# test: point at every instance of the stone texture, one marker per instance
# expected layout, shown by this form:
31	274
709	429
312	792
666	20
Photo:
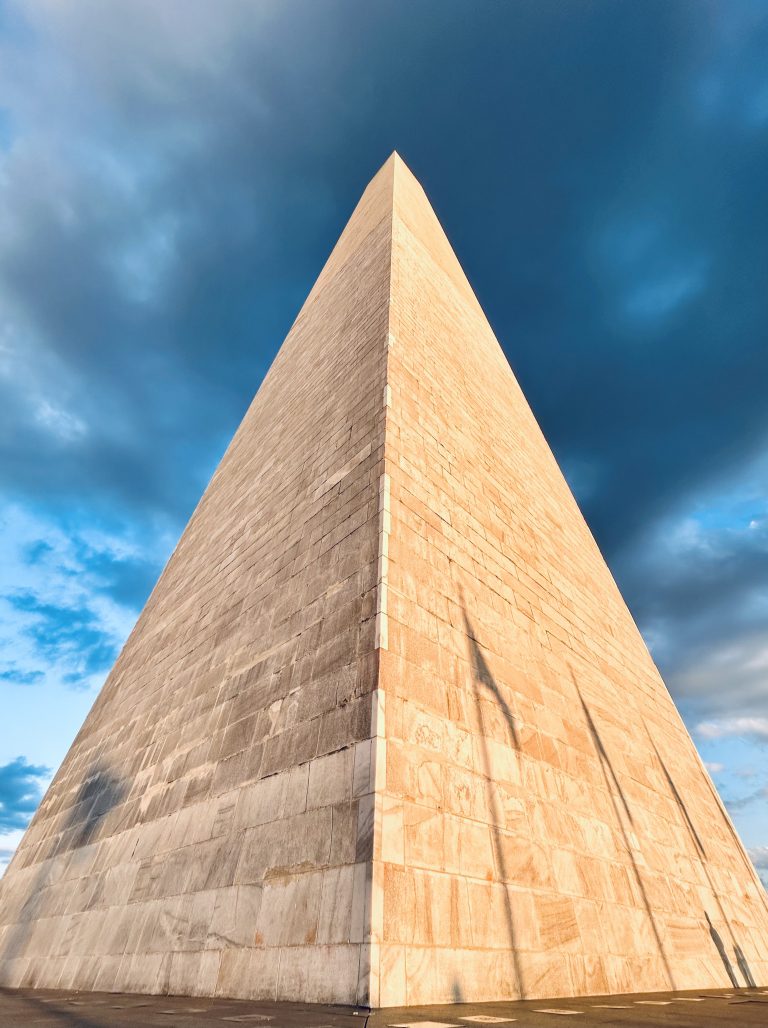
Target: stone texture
544	824
385	731
202	833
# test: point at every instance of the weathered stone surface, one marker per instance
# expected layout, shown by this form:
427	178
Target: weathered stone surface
385	731
544	824
201	835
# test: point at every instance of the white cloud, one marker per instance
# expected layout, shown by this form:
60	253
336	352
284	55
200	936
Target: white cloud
752	727
714	767
60	422
9	841
728	674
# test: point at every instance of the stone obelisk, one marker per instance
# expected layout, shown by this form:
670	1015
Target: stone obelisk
385	732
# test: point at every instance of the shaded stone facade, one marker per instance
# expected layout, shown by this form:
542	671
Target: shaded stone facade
385	731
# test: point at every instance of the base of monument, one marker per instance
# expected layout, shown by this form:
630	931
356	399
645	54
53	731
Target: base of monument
710	1008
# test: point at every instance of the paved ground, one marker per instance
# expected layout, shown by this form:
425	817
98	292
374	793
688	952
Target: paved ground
711	1009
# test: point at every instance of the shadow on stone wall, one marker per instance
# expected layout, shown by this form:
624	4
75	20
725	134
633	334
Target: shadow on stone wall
761	891
720	947
99	793
609	776
679	801
741	960
484	682
702	855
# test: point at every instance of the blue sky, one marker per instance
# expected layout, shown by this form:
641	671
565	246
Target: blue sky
172	177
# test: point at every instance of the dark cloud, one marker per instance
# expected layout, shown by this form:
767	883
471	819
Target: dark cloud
21	787
175	176
700	591
127	581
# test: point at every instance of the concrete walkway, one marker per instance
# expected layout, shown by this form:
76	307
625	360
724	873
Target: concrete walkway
739	1009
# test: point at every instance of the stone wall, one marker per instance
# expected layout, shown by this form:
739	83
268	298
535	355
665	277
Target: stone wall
546	826
209	830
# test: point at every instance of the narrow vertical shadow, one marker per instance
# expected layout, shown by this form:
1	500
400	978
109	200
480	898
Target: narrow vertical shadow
741	960
679	801
701	853
715	936
605	760
761	891
482	679
609	776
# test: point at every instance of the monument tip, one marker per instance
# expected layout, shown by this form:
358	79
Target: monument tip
395	161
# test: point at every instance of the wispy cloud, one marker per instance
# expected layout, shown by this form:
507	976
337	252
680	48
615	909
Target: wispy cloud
735	803
662	295
755	727
14	675
699	580
60	422
68	637
731	87
9	841
68	598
